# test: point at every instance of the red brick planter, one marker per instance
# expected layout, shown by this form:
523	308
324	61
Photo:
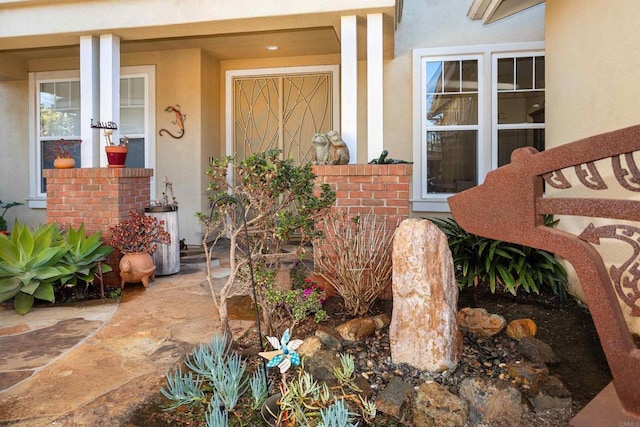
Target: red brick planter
97	197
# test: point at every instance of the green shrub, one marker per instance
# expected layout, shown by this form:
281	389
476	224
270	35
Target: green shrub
5	207
32	263
84	256
483	261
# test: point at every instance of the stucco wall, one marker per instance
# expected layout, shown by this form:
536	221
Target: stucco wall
178	81
592	87
14	140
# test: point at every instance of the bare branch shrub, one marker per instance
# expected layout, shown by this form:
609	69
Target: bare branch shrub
275	199
355	258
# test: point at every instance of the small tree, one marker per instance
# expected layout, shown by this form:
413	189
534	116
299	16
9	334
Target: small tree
274	198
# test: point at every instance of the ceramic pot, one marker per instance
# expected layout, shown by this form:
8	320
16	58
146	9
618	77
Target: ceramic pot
116	155
64	163
271	410
137	267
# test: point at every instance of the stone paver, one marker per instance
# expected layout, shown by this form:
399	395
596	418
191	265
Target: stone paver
120	355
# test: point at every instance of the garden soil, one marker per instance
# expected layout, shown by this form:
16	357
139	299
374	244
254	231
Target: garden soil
564	324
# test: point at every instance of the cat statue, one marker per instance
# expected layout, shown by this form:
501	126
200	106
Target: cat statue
330	149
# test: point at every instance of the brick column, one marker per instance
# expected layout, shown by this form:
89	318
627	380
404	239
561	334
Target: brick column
97	197
364	188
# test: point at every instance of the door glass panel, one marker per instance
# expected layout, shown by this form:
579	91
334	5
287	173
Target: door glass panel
539	72
452	76
452	109
505	74
58	117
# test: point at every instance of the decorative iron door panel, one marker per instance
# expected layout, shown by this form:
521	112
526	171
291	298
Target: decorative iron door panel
281	112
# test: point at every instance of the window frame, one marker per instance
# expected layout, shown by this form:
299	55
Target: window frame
487	111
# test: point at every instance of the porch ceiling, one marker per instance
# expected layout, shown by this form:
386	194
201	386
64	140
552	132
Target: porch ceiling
302	42
295	35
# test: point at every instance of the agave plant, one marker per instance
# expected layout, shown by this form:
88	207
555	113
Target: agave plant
30	264
84	255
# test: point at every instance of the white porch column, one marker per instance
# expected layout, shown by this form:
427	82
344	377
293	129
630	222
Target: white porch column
109	87
374	86
90	100
349	83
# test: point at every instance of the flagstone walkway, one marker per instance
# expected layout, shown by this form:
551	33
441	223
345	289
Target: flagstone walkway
93	363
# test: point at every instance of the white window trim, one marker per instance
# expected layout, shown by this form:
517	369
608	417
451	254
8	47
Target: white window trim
231	74
37	200
438	203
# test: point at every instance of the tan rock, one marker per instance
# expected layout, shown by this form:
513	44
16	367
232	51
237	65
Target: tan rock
381	320
520	328
356	329
435	405
310	347
423	331
480	322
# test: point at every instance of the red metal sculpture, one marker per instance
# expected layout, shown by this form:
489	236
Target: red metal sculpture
510	206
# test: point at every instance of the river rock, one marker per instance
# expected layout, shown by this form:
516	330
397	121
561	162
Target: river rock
480	322
356	329
436	406
552	394
423	332
391	400
520	328
537	351
528	374
330	339
492	403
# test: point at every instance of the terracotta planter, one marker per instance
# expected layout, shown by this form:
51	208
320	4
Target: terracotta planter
116	155
271	409
64	163
137	267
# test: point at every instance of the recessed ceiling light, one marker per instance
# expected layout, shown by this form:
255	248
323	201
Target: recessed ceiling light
271	47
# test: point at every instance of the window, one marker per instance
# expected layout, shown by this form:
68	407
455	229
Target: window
519	98
451	137
474	106
132	119
56	114
57	108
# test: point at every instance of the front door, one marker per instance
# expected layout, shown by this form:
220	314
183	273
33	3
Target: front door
282	109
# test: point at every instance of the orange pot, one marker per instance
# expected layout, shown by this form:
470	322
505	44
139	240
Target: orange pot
137	267
64	163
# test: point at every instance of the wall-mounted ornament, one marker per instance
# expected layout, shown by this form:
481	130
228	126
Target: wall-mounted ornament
179	121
